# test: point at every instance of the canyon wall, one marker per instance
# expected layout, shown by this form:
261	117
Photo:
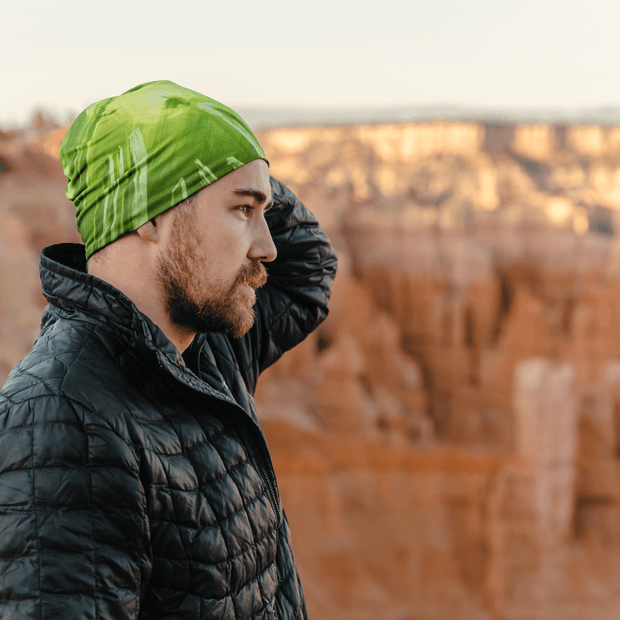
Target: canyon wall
447	443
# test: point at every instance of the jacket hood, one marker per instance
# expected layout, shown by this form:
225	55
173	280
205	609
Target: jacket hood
74	293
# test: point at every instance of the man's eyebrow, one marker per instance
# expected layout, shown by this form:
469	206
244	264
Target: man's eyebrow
253	193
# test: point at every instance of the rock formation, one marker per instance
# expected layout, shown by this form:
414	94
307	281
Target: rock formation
448	442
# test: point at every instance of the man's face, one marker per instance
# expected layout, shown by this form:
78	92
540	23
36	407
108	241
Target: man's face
211	265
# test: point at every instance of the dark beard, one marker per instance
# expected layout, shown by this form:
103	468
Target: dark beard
220	313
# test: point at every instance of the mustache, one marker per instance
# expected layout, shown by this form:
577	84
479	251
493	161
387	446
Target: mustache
254	275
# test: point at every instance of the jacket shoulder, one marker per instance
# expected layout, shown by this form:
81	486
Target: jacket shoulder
46	366
47	406
72	364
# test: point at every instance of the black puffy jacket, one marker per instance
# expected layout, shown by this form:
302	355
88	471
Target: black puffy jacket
136	482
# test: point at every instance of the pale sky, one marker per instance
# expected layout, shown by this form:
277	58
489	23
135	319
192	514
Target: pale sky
324	53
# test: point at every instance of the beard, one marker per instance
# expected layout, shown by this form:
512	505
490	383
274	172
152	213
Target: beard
205	308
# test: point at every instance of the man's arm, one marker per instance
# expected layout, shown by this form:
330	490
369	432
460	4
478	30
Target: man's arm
73	534
294	301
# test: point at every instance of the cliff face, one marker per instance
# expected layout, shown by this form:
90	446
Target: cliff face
33	213
447	442
488	255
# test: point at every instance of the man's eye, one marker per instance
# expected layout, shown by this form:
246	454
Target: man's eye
245	209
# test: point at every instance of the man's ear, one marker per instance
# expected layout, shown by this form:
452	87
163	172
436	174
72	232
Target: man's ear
149	231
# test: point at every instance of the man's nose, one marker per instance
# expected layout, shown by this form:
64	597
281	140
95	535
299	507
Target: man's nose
263	248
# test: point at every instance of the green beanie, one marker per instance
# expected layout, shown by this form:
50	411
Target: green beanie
132	157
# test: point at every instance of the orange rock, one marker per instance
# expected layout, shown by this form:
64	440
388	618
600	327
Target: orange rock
447	442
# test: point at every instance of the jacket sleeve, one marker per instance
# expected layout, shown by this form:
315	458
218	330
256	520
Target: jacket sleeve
73	533
294	301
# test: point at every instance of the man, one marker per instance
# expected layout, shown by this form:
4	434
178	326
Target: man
135	481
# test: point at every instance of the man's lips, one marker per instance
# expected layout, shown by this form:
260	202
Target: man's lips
253	275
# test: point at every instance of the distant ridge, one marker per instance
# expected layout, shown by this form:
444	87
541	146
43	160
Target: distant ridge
271	117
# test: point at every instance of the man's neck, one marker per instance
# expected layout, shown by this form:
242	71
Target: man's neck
148	300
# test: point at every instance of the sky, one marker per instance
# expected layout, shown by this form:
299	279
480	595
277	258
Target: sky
325	53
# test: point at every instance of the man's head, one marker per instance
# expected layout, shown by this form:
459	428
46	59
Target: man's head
131	157
173	186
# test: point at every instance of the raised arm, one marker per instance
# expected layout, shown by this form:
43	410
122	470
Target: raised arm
294	301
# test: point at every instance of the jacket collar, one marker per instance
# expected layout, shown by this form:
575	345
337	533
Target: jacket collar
73	292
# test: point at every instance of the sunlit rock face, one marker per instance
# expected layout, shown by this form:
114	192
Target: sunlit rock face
447	443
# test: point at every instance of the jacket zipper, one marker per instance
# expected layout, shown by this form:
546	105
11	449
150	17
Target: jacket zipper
247	432
259	459
264	470
272	492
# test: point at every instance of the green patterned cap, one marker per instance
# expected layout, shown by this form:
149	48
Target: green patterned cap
132	157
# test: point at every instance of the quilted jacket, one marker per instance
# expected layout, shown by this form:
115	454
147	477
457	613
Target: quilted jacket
135	482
